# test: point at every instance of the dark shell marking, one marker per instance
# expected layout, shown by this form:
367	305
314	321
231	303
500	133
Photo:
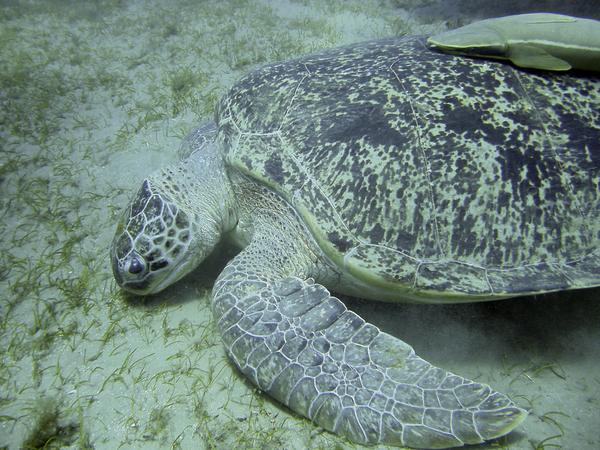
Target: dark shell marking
429	172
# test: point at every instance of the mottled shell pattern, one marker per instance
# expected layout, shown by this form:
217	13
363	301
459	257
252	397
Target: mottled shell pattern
441	175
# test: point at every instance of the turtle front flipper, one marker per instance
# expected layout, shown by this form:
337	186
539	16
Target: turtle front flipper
302	346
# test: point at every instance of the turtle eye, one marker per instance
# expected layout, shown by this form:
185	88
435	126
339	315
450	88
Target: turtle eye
136	265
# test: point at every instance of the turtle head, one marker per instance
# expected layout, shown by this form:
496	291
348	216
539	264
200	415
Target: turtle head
172	224
151	246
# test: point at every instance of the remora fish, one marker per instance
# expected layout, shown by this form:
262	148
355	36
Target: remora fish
538	41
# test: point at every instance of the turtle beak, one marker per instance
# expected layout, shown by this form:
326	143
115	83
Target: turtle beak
131	273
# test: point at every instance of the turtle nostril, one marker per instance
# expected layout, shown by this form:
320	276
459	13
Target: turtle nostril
136	265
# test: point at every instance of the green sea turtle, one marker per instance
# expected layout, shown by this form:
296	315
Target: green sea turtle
387	171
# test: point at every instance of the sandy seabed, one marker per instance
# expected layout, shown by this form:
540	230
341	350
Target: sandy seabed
95	95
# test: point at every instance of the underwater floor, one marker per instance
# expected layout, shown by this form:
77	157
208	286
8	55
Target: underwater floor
95	95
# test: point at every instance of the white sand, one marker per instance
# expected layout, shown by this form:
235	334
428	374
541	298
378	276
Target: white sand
94	96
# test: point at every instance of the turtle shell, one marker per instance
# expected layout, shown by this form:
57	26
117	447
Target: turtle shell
432	175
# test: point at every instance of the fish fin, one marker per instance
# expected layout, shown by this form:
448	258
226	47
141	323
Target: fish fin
533	57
